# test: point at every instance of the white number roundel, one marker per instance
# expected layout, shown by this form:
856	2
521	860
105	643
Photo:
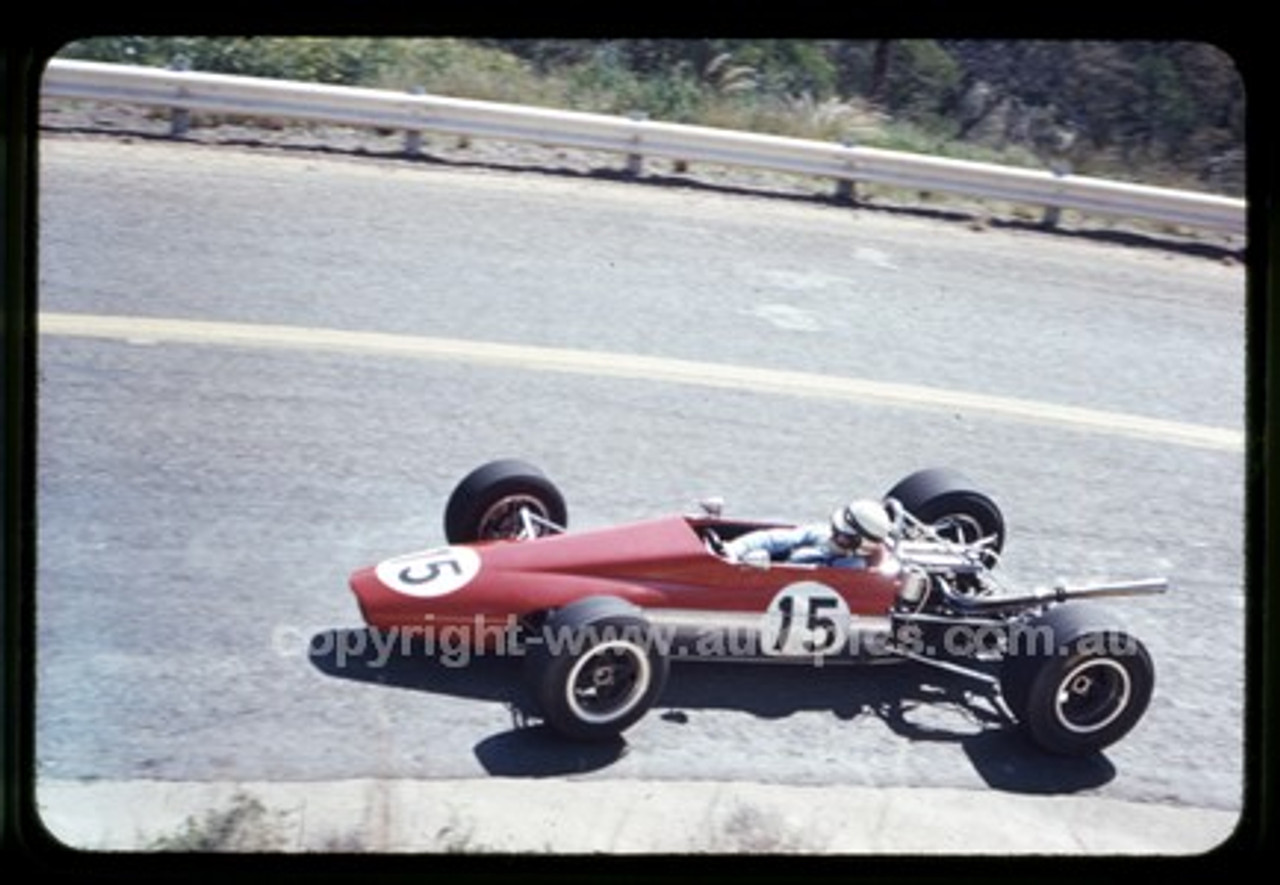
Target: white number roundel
428	573
806	618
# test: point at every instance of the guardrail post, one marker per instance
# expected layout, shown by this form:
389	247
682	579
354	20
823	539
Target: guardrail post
179	117
635	161
1053	214
413	137
847	188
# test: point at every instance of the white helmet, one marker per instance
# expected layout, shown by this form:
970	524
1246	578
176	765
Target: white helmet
862	520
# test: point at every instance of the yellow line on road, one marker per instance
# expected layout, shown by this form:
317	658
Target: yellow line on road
633	366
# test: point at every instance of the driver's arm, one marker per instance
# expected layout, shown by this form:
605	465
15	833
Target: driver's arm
778	543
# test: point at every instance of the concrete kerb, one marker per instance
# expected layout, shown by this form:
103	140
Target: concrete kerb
512	815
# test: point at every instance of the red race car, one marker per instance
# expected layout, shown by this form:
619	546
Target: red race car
598	615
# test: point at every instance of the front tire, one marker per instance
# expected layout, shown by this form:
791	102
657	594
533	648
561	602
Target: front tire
486	505
603	673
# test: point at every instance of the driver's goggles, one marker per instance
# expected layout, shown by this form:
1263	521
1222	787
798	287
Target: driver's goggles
846	540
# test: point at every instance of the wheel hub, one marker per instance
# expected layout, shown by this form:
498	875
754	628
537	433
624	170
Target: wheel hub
1092	696
608	682
503	519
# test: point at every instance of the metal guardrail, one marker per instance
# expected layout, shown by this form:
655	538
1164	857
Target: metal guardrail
187	91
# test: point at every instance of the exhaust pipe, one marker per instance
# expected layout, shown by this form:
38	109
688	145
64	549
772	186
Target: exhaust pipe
1061	593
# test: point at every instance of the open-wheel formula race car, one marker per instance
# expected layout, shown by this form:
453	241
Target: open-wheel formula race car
599	614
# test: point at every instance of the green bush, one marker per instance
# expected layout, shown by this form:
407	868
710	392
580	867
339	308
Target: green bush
315	59
458	68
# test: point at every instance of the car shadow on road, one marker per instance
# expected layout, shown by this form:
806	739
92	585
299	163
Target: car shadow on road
918	703
403	661
529	749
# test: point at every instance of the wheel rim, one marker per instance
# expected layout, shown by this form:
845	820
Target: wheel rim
1092	695
608	682
959	527
503	520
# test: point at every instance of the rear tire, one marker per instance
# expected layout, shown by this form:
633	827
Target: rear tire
486	505
1083	687
948	502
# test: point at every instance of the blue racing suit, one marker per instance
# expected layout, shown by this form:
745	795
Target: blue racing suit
801	545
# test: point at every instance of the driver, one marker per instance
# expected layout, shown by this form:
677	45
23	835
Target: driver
852	537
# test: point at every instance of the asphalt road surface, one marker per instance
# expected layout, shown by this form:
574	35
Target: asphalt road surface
203	497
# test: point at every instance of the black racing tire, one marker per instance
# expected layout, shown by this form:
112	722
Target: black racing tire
596	671
1075	681
949	502
485	505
